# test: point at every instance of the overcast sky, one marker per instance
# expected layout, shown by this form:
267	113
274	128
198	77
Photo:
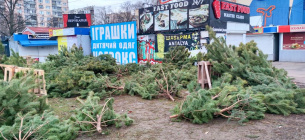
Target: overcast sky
74	4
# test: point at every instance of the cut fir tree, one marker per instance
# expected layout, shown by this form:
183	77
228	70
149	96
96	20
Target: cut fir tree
93	117
248	87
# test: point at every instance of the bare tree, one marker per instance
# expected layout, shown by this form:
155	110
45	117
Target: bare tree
10	20
51	22
102	15
126	13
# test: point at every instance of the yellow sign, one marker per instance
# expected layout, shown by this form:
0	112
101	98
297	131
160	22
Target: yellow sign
62	42
64	32
59	32
160	41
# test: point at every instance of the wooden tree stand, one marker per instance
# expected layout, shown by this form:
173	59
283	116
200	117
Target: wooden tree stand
11	70
204	74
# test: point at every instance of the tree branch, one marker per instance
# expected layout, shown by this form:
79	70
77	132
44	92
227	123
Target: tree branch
20	128
3	136
167	92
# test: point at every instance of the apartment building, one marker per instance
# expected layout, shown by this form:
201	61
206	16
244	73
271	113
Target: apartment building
42	13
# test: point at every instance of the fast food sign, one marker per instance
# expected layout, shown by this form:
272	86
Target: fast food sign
236	11
191	14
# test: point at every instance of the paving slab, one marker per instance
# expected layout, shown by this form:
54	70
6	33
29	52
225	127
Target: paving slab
295	70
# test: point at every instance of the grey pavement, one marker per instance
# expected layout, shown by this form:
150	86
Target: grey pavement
295	70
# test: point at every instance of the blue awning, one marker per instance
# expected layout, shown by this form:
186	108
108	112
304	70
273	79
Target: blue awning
34	43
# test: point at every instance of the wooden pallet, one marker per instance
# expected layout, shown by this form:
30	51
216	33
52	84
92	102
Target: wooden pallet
204	74
11	70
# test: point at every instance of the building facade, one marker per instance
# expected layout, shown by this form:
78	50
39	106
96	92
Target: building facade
42	13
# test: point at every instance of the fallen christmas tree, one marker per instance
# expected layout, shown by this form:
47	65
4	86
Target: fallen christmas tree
166	79
25	116
248	87
92	117
71	74
153	83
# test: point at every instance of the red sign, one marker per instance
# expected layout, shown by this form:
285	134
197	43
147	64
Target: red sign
291	28
284	29
234	7
226	6
294	41
216	7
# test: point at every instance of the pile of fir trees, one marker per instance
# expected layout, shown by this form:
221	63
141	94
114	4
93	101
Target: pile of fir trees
245	86
167	79
24	115
70	74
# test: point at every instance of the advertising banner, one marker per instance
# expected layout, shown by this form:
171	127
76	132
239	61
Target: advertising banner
62	42
118	40
178	15
77	20
199	13
190	40
294	41
161	17
224	11
146	49
67	41
192	14
146	20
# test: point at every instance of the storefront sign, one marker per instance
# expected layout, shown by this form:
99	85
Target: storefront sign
234	7
77	20
297	28
64	32
227	11
38	36
118	40
294	41
165	41
291	28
